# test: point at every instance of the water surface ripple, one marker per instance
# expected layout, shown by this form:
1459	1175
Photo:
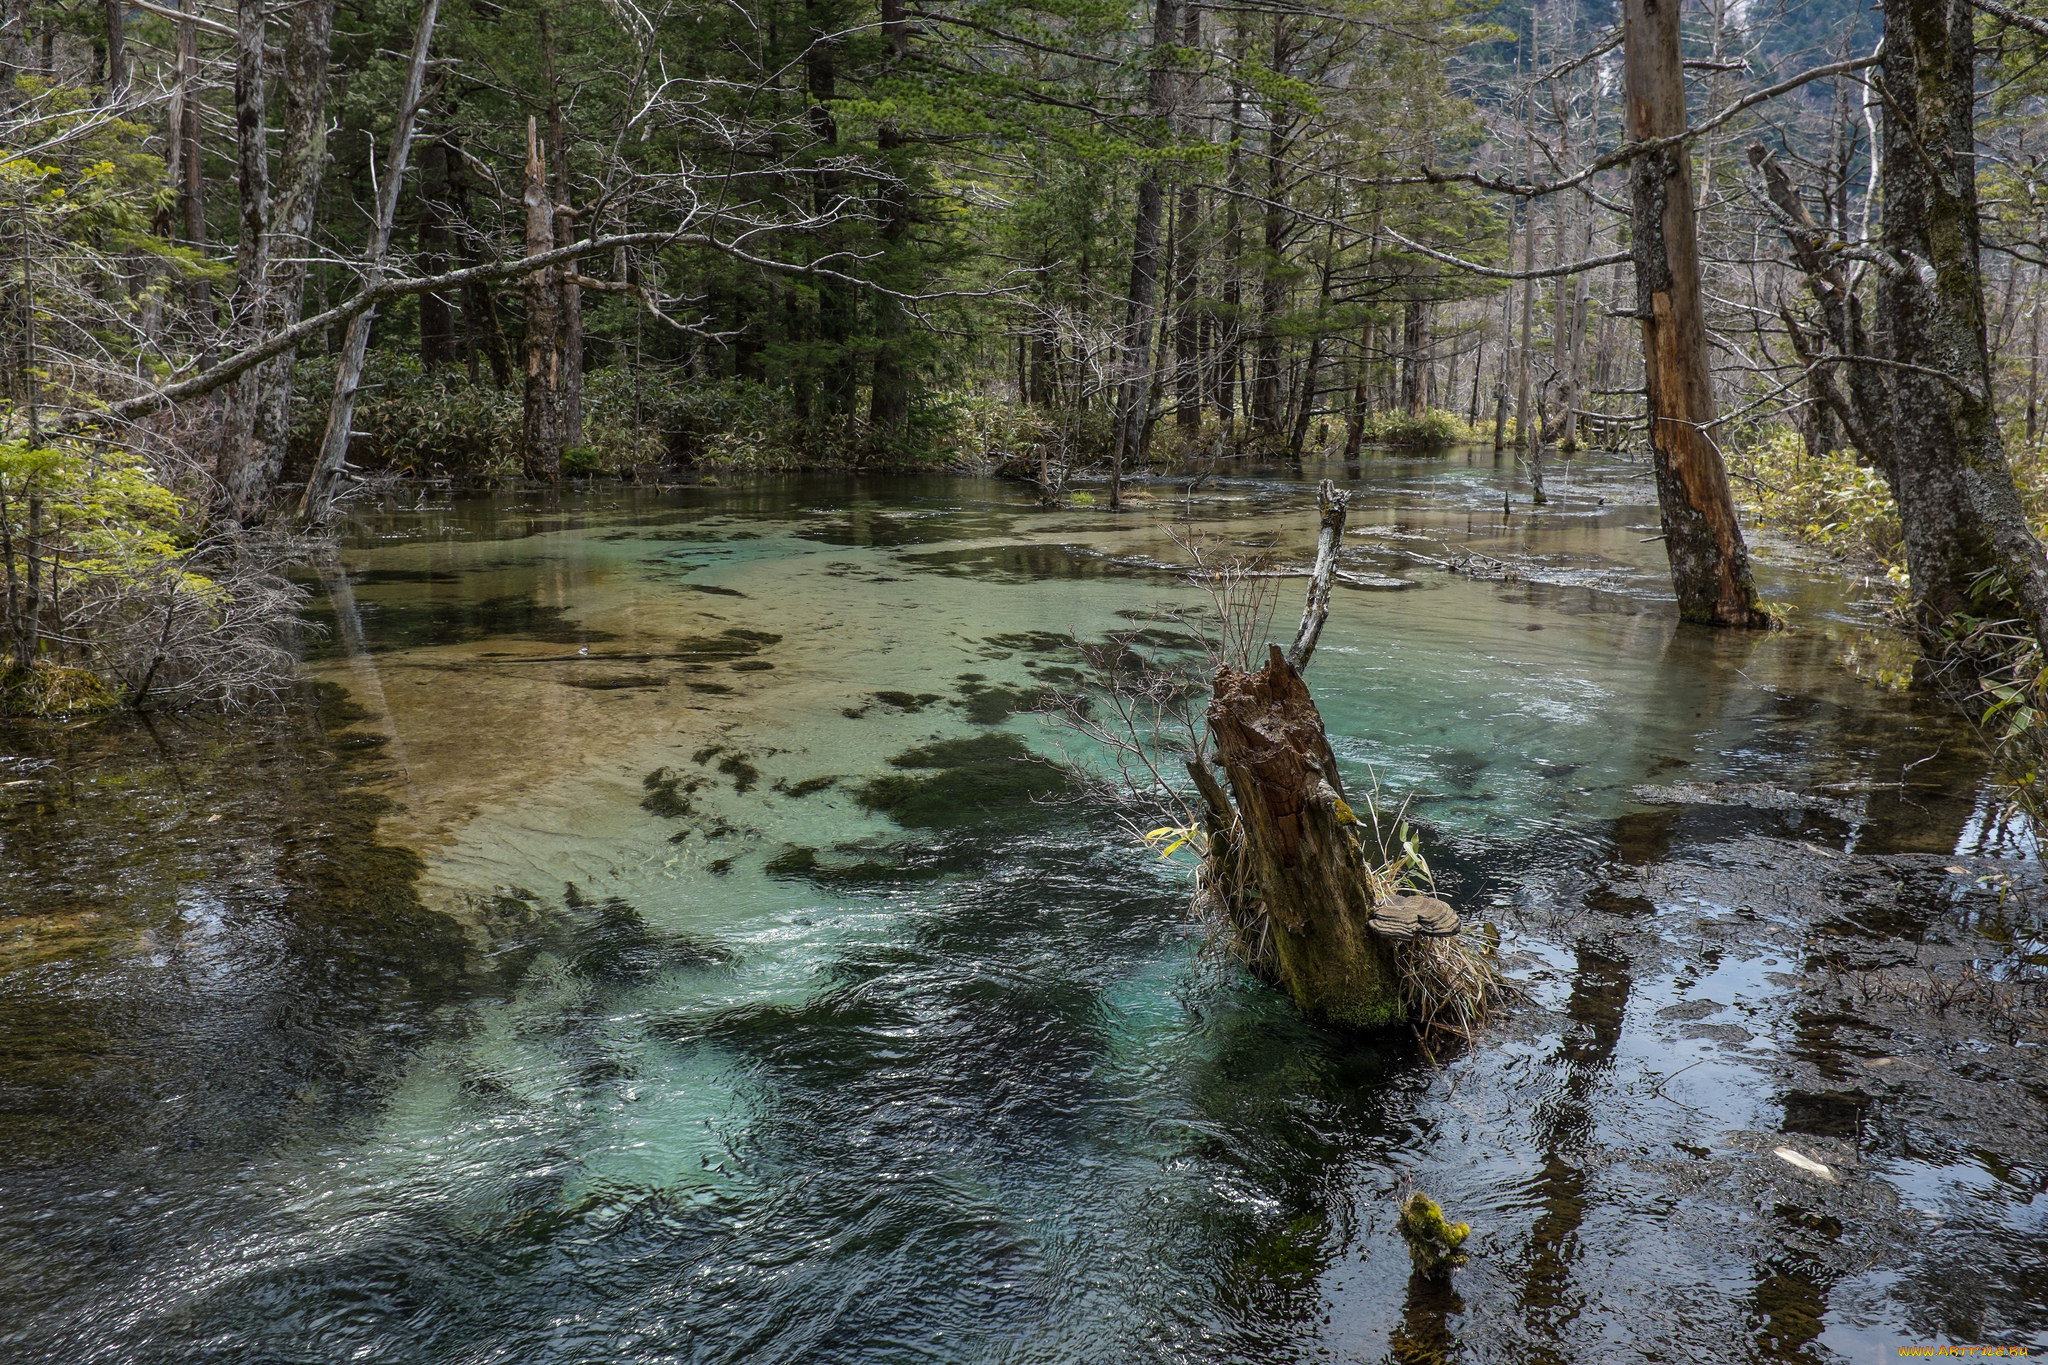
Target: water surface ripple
649	941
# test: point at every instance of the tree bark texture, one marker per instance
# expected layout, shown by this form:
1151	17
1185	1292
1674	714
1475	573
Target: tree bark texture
1285	863
1968	546
301	160
435	232
1302	873
238	468
191	166
542	425
570	297
1415	347
1134	383
1702	536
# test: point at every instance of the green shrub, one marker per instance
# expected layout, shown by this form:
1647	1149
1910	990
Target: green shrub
1833	503
1432	431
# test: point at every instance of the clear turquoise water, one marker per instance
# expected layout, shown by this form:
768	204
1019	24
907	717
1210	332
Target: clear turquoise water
456	1040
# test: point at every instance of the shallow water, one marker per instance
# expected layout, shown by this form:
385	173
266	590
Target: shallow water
581	980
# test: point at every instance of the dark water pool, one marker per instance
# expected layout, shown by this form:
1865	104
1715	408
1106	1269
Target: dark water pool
645	941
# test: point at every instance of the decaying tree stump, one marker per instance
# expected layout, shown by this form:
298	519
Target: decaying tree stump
1304	879
1286	867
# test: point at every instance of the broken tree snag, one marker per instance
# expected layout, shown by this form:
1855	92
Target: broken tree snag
1301	897
1329	542
1709	562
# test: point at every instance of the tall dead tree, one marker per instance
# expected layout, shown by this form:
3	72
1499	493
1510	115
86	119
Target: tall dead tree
355	347
568	295
1702	536
541	428
302	158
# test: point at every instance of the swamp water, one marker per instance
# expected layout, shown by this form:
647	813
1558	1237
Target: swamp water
649	944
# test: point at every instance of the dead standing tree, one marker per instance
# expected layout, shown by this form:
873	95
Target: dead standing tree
1709	561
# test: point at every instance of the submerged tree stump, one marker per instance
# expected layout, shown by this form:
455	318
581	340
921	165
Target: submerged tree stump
1291	873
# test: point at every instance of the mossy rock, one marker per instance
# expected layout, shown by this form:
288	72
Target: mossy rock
45	689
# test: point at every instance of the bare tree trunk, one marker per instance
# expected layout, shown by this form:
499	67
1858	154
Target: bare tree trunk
1228	351
542	429
1500	383
1709	561
436	216
889	396
1529	424
192	178
1415	343
480	321
1865	411
2034	380
301	160
238	464
1135	382
117	51
1265	404
1528	307
348	373
1968	546
565	232
1187	350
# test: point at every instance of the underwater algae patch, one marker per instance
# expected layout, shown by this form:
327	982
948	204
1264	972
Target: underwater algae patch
962	781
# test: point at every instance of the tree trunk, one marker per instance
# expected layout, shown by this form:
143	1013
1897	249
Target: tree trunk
1529	423
1968	546
301	160
1134	384
238	467
570	296
117	51
1865	410
837	308
1289	864
1187	348
436	216
348	374
482	326
1709	562
542	427
889	397
1415	341
192	177
1187	343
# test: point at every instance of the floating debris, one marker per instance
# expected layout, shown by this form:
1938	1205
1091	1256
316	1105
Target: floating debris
1804	1163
